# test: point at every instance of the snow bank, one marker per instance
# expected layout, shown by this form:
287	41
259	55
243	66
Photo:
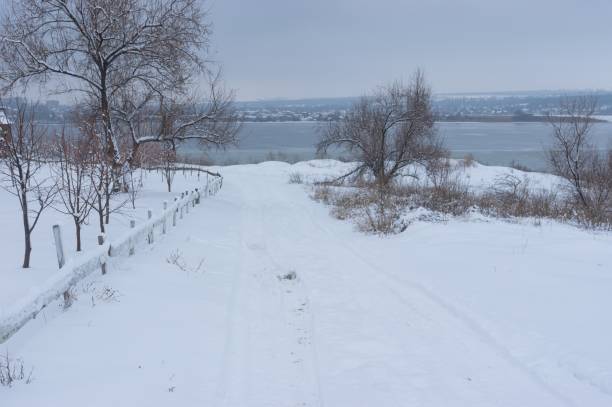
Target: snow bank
16	316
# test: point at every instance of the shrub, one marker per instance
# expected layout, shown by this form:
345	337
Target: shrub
377	209
296	178
12	371
321	193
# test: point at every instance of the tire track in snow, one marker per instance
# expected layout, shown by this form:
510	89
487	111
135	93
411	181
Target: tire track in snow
300	316
485	337
265	249
231	354
266	358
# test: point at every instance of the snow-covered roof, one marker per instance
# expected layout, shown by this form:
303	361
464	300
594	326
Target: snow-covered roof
3	118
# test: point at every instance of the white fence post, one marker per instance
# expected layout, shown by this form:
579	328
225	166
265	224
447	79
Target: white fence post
61	259
151	231
132	226
59	246
101	243
174	214
165	216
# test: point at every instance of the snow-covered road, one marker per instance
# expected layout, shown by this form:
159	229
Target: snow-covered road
357	326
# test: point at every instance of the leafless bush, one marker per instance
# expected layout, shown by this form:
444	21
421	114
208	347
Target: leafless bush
296	178
108	294
444	191
176	259
384	215
104	294
513	190
373	210
349	203
587	170
12	371
321	193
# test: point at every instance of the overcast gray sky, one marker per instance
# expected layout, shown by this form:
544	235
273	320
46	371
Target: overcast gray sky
319	48
310	48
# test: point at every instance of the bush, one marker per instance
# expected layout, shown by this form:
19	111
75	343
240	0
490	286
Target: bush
384	214
296	178
321	193
12	371
380	210
373	209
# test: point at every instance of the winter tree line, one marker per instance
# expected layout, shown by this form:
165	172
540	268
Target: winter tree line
143	82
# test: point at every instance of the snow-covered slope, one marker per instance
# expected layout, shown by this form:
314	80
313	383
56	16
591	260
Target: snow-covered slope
461	313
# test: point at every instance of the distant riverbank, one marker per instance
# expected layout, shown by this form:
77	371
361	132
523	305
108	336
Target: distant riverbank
493	143
463	119
506	119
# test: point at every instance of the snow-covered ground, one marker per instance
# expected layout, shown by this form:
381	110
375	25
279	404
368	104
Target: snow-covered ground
16	283
469	312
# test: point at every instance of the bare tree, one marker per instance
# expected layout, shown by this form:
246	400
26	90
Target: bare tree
77	192
123	56
388	131
24	174
574	158
100	172
168	163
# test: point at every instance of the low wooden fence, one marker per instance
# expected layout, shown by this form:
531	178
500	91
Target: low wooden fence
73	271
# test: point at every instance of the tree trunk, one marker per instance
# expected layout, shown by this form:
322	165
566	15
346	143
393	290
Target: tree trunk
26	232
107	196
77	226
28	247
100	210
107	209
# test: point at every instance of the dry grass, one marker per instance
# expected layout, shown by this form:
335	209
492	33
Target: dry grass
373	209
381	210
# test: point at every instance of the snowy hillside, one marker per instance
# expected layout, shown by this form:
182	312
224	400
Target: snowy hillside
261	298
